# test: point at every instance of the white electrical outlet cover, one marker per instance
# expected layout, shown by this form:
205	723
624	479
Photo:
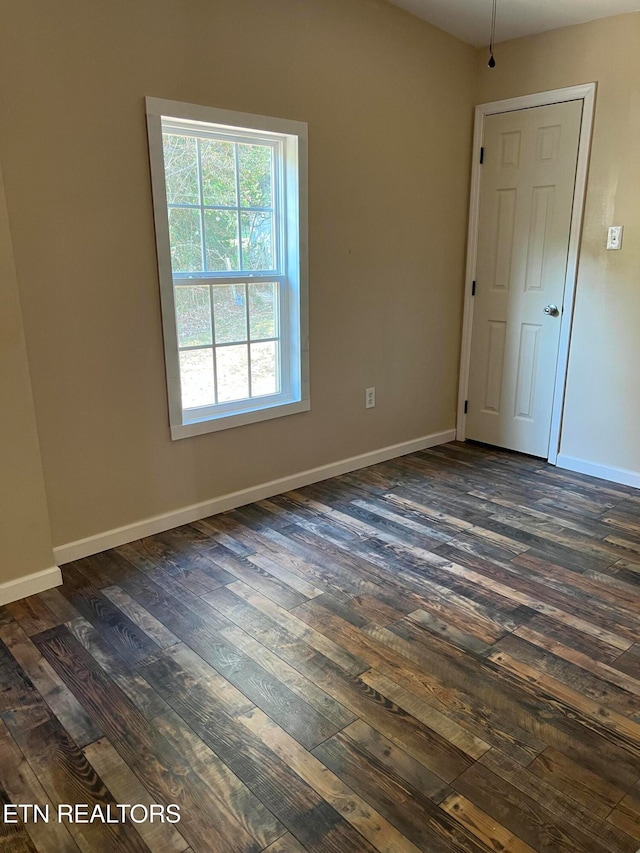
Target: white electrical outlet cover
614	237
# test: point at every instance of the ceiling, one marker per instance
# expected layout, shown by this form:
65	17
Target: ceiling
470	20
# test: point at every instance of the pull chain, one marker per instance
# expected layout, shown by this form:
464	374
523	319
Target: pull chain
492	62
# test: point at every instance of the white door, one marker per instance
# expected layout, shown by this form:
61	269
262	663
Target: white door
526	201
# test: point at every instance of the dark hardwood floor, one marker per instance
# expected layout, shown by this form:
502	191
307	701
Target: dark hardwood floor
439	653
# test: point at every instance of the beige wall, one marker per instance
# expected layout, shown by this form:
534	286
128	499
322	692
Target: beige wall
602	414
25	539
388	101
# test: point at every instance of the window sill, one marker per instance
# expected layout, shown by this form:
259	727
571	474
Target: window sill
221	422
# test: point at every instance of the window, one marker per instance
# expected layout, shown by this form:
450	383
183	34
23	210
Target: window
229	193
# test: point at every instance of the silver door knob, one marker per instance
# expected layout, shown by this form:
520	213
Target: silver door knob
552	310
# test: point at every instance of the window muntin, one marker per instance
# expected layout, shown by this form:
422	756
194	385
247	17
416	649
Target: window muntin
228	340
228	226
223	201
223	206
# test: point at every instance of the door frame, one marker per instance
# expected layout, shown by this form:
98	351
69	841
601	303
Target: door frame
587	94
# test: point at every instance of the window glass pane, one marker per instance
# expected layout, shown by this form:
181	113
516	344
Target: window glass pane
256	169
221	239
184	235
230	313
181	169
264	374
193	316
196	378
257	241
233	373
218	172
263	308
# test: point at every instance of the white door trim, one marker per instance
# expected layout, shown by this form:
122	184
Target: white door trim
587	94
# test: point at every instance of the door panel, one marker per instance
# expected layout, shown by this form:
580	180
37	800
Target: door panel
526	201
505	229
495	366
527	370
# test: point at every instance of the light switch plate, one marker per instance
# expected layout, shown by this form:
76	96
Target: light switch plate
614	237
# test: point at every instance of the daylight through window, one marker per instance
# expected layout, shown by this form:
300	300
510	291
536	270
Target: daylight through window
228	221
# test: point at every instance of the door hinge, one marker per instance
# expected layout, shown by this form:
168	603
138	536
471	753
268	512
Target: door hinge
466	406
473	288
482	155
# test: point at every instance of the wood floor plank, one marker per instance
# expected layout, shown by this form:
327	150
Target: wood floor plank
393	760
610	597
557	635
104	569
562	539
449	729
23	786
21	706
541	517
484	827
611	579
118	669
605	685
14	838
187	565
626	814
444	726
538	600
296	626
63	610
452	633
32	614
142	618
234	795
53	690
295	681
60	766
160	837
111	622
593	833
136	557
329	569
437	590
285	844
469	709
440	653
614	673
350	637
378	611
627	570
523	816
577	782
256	573
373	826
291	800
423	823
622	730
200	672
436	752
629	662
5	617
210	528
357	515
351	573
296	715
509	697
147	753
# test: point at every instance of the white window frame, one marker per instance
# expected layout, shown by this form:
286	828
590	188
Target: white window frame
289	137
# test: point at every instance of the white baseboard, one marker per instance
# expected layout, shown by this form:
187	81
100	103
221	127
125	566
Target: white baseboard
30	584
158	523
604	472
